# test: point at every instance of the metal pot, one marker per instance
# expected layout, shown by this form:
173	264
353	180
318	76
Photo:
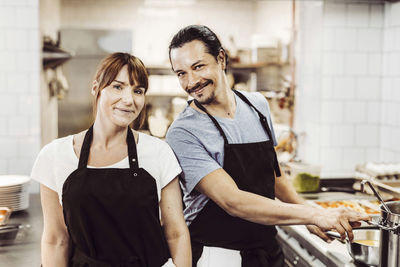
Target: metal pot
362	253
390	235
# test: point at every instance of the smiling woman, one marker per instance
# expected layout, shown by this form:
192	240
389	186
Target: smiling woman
125	73
102	189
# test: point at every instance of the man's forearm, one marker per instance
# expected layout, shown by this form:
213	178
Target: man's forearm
285	191
266	211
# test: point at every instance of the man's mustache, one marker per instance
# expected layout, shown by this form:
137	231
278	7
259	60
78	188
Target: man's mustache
199	86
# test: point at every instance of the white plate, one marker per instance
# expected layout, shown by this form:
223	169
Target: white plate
12	180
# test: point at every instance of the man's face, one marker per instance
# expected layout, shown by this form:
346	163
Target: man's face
199	73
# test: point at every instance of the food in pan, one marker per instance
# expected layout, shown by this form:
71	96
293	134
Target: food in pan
370	243
348	204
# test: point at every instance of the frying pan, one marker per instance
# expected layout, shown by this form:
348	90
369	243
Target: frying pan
362	253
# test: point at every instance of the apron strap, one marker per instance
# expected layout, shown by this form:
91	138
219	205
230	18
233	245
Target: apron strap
263	119
132	152
85	149
264	123
200	106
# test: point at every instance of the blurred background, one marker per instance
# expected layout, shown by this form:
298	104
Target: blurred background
330	70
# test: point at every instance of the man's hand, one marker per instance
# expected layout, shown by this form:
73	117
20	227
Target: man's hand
341	220
313	229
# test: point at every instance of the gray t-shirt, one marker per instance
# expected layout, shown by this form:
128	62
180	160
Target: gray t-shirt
199	146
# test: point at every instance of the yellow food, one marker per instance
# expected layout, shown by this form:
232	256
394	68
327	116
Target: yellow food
348	204
370	243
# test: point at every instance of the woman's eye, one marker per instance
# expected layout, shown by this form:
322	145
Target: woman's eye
139	91
117	86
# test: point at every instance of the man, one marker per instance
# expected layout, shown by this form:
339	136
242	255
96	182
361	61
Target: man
224	141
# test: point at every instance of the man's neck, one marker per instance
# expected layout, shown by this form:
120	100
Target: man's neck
224	104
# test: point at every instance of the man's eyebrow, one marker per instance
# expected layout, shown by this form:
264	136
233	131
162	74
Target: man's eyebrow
197	62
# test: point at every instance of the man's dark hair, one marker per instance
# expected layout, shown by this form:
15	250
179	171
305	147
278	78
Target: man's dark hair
201	33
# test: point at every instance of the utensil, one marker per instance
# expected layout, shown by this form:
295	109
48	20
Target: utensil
363	182
361	252
390	235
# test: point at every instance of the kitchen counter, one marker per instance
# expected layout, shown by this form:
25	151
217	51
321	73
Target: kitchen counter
304	249
307	249
25	250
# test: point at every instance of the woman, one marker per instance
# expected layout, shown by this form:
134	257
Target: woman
102	189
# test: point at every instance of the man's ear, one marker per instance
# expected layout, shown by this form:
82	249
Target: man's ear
95	86
222	58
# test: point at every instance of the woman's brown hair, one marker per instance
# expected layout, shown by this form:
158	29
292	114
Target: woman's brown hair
107	72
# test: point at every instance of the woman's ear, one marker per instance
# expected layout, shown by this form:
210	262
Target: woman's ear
95	86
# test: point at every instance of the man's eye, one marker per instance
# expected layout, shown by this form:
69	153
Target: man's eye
180	74
198	67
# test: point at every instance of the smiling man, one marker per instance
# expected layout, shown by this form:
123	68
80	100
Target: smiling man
224	141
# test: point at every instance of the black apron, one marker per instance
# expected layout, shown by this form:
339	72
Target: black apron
253	167
112	214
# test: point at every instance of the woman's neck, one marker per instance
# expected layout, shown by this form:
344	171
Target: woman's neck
106	136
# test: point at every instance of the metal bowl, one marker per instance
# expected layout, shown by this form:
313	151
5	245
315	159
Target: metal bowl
365	253
8	233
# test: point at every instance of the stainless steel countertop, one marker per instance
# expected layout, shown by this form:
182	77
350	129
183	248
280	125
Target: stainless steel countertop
329	254
25	251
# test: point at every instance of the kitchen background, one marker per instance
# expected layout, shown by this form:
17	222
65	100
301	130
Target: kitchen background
347	70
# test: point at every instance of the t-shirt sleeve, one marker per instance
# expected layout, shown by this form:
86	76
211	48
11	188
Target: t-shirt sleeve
264	105
43	168
170	167
194	159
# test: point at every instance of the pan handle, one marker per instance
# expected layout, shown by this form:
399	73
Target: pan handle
387	228
336	236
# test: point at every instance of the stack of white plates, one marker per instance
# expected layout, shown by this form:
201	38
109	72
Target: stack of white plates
14	192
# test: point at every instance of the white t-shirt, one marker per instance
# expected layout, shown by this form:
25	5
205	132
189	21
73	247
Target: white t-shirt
57	160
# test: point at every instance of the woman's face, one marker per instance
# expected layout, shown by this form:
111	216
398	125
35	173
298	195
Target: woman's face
121	102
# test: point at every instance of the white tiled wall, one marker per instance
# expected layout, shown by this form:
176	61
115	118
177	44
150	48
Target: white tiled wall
19	85
348	84
153	24
390	130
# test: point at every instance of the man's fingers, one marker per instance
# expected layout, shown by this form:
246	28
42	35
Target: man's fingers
339	228
347	227
318	232
355	224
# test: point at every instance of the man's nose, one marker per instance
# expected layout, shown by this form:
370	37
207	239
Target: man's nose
193	79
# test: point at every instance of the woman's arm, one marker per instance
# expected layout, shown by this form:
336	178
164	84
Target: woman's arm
175	229
55	238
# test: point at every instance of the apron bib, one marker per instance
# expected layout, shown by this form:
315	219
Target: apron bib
112	215
253	167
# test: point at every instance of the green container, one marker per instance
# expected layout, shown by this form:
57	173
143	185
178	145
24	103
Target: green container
304	182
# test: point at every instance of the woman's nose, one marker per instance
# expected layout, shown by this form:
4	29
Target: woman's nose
127	96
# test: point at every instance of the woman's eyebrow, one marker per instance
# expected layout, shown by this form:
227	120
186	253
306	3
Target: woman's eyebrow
119	82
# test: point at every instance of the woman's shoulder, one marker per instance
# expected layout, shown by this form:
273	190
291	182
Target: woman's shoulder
58	144
149	140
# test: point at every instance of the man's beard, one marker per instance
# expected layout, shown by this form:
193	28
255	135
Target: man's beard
208	100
